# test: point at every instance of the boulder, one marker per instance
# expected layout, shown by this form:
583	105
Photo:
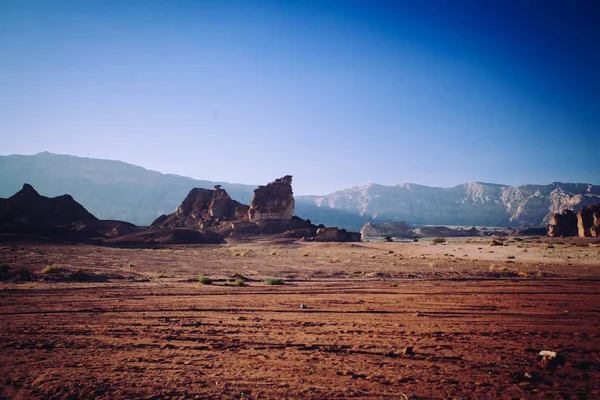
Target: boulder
275	201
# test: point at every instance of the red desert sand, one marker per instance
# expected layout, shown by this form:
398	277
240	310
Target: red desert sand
413	320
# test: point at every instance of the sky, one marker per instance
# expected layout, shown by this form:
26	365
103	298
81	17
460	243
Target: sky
335	93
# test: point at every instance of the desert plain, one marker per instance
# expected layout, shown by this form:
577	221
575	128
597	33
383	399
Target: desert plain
401	320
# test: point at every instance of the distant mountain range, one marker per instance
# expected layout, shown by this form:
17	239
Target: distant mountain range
116	190
470	204
108	189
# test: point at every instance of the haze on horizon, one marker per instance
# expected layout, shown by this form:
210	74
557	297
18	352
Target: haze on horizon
335	93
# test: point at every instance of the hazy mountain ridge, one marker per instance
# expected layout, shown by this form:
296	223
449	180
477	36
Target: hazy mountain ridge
108	189
119	191
473	203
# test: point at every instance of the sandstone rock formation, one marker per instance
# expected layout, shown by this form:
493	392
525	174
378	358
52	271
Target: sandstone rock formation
203	208
584	223
563	224
270	212
588	221
398	229
275	201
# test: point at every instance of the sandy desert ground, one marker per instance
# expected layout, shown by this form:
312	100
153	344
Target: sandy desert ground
408	320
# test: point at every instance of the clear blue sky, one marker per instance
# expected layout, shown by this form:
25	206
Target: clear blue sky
336	93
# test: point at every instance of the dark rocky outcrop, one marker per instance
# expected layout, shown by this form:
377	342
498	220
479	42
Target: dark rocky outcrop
202	209
585	223
204	216
563	224
275	201
443	231
28	207
398	229
401	229
58	218
334	234
270	212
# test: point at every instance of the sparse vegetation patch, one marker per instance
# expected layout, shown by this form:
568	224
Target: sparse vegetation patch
50	269
274	281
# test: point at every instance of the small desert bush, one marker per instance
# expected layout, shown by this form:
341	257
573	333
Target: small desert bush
539	274
510	257
205	280
496	242
240	282
4	268
24	273
304	254
335	260
390	251
439	240
388	239
274	281
50	269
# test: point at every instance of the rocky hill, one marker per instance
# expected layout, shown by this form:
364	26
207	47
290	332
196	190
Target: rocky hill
472	204
108	189
59	218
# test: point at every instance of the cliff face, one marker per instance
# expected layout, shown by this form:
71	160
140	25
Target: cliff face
585	223
275	201
473	204
588	221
